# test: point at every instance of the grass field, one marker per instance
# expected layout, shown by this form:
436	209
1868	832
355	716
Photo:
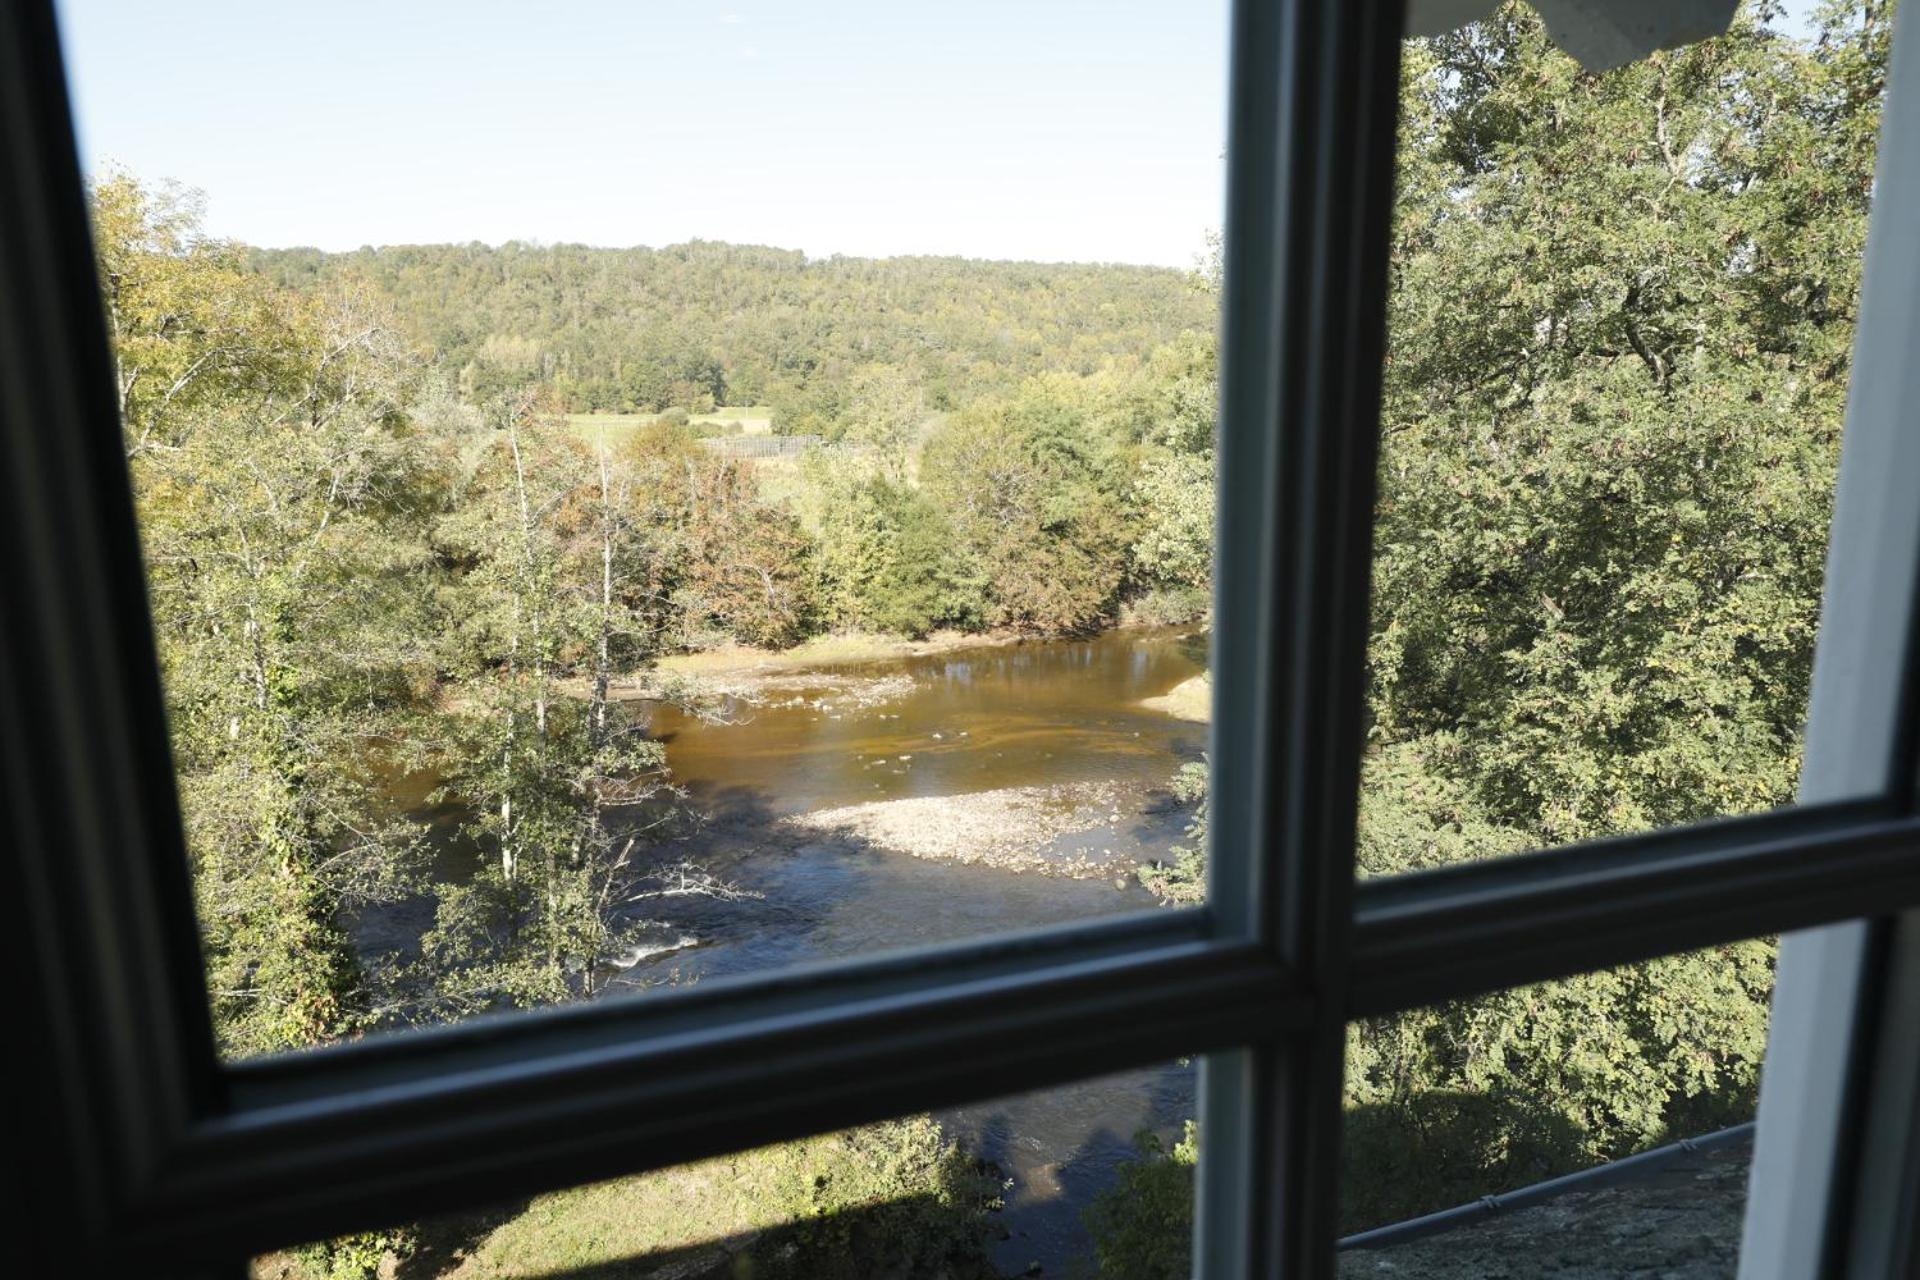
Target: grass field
890	1199
780	478
752	419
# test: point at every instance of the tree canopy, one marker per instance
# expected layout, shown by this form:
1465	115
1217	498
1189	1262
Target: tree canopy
1620	318
703	323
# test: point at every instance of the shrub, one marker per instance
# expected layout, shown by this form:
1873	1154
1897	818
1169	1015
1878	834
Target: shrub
1166	607
1142	1226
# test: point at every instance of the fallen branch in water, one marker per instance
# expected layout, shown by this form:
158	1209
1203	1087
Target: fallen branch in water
688	879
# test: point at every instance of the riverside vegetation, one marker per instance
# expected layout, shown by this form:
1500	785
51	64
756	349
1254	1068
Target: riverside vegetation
1621	317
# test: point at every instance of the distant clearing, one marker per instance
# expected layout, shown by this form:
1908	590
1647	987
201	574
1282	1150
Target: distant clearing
746	420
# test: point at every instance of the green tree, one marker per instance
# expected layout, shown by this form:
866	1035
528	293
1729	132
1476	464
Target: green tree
1621	312
885	556
191	328
1033	496
1173	492
1142	1226
885	414
282	499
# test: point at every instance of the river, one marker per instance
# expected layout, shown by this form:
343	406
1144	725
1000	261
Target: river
1057	713
1063	715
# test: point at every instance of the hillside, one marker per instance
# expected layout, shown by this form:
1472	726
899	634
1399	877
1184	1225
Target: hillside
707	323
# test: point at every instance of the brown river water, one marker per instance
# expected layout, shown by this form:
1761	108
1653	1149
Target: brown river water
1062	714
974	719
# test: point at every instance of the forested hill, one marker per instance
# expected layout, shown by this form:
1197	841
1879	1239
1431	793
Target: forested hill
637	329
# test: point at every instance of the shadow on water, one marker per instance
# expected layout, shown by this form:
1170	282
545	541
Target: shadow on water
833	895
1060	1148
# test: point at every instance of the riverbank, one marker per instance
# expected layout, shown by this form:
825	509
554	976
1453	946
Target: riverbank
811	674
838	649
826	673
1191	699
1017	829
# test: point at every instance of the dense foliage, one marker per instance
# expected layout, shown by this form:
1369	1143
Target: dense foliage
1144	1225
281	492
1621	314
705	323
1621	317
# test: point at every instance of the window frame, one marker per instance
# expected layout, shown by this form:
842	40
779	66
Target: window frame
1837	1149
140	1145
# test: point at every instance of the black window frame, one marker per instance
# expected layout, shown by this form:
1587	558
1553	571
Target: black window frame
135	1145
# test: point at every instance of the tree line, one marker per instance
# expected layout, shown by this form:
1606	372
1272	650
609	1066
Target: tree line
706	323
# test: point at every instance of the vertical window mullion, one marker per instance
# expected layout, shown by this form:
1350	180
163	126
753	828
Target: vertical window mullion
1838	1102
1310	164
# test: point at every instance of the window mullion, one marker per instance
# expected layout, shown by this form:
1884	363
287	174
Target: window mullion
1310	164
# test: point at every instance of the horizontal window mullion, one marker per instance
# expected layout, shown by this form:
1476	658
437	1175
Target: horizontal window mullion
552	1033
1508	922
333	1141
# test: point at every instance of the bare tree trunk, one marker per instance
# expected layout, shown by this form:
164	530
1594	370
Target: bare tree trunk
593	830
603	666
529	569
507	859
529	590
509	853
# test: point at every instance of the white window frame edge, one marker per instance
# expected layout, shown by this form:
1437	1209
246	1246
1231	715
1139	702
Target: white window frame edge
1837	1100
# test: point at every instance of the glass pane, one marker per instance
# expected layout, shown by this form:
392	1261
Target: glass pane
1620	321
544	616
1049	1183
1465	1120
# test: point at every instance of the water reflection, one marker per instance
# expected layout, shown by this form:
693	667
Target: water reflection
1024	715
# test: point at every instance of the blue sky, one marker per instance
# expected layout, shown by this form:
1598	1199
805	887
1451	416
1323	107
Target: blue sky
1052	129
1059	130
